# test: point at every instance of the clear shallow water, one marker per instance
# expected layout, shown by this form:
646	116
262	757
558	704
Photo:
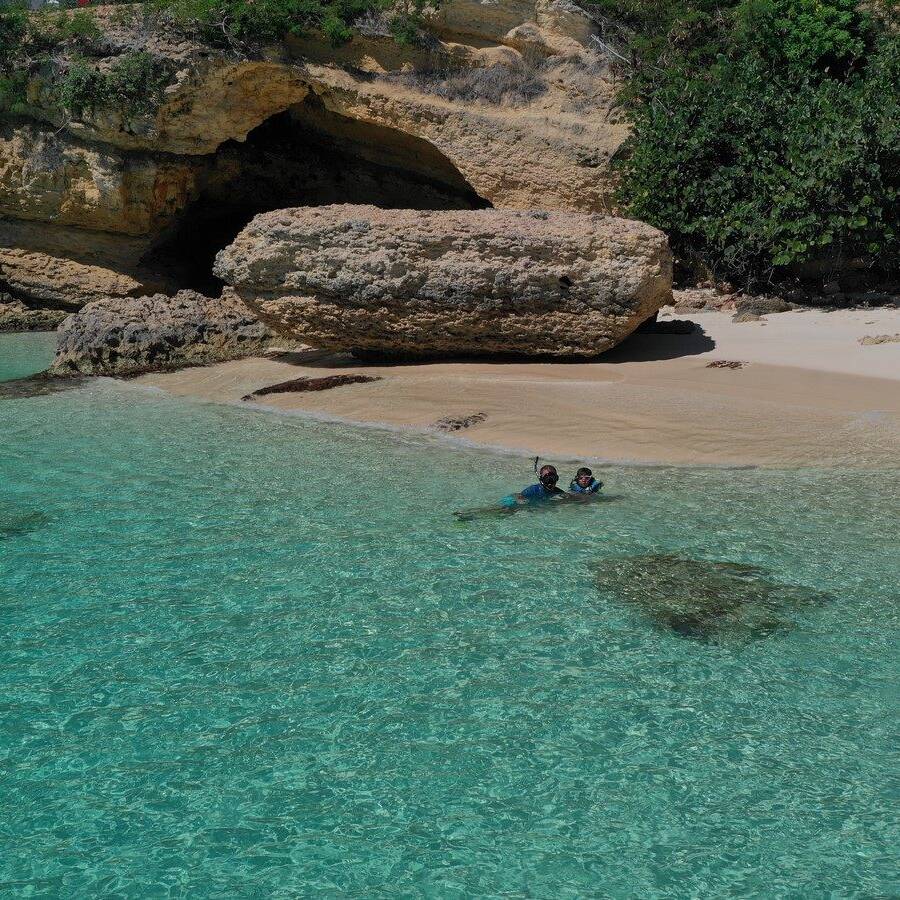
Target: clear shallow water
24	354
249	655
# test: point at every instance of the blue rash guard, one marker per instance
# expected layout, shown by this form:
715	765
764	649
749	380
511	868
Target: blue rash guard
592	488
539	492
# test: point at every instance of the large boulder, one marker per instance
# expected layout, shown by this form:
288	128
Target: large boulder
416	283
144	334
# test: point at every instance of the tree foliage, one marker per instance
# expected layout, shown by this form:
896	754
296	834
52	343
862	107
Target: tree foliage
772	137
133	85
243	23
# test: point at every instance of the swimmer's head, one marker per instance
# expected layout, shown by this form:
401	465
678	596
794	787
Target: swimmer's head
584	475
548	476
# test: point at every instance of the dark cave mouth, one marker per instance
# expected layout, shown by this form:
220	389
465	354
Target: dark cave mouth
305	156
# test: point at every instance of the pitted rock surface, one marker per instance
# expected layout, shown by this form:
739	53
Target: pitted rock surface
18	316
145	334
431	283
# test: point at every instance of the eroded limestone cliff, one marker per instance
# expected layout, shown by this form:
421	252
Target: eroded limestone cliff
506	107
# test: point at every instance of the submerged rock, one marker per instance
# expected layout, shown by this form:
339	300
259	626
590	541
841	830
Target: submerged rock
39	385
145	334
431	283
703	599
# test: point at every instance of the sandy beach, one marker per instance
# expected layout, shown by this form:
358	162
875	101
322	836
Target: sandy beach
808	394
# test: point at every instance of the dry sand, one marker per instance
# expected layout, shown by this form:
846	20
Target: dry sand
809	394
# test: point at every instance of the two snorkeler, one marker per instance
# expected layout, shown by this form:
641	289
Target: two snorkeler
582	486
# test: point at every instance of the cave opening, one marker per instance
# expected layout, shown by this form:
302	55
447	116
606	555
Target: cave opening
304	156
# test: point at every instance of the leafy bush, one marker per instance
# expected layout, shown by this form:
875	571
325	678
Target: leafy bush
238	23
58	42
13	93
13	28
81	89
133	85
775	139
79	26
13	79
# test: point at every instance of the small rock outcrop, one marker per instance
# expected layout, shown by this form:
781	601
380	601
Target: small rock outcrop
17	316
759	306
414	283
872	339
145	334
449	424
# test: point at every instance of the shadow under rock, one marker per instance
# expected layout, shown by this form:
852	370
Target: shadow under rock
647	346
639	347
371	359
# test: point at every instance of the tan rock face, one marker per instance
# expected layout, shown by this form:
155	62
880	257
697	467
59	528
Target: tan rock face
424	283
213	97
69	267
17	316
48	176
59	280
516	158
494	20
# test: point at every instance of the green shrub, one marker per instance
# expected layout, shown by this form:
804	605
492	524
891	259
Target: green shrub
806	36
240	23
79	25
13	80
81	89
406	30
13	96
13	28
133	85
778	145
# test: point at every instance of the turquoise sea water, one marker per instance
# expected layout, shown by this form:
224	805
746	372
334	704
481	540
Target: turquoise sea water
246	655
22	354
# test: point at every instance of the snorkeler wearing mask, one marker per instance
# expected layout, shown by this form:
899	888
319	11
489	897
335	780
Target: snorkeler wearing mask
545	489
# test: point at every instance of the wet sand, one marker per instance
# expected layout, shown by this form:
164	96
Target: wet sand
809	394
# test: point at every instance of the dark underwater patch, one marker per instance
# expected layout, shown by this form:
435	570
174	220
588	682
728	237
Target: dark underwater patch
706	600
14	523
39	385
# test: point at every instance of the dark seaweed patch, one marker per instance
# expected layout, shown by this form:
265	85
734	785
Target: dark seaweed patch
705	600
14	524
39	385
